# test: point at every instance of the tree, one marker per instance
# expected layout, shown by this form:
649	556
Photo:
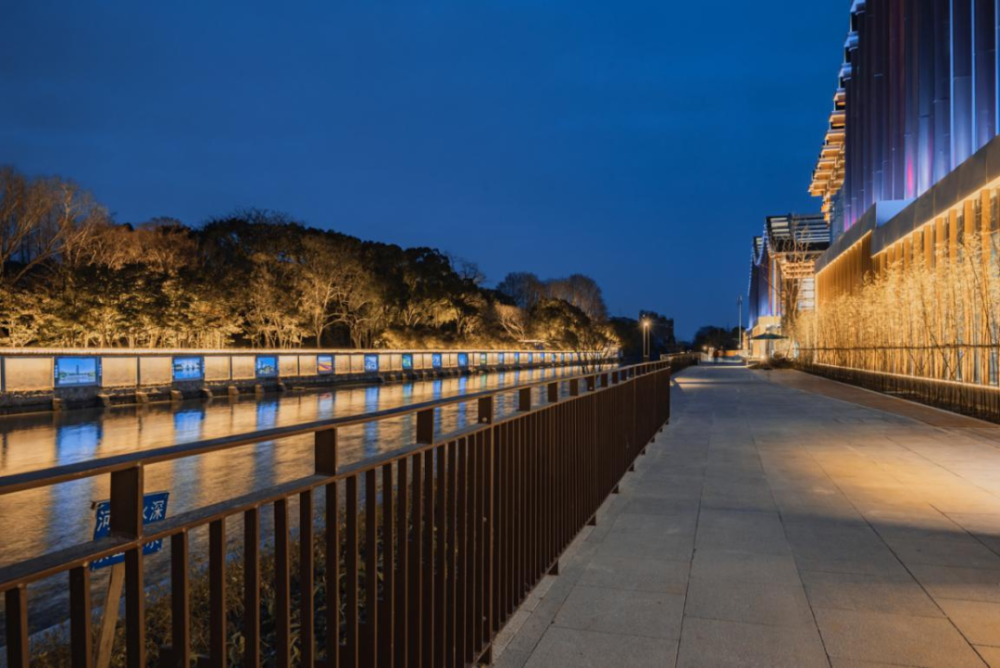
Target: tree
72	276
524	288
580	291
468	271
39	219
512	320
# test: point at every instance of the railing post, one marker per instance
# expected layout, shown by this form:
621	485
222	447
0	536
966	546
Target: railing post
217	593
485	406
180	632
325	449
126	502
524	399
591	383
574	387
126	522
425	427
16	610
81	635
553	393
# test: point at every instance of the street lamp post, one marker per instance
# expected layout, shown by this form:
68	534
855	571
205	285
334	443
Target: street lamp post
645	339
739	305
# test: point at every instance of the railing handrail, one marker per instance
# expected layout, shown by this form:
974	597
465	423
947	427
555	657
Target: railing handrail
19	482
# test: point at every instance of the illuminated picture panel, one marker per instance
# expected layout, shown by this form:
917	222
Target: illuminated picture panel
324	365
517	358
188	368
500	357
436	360
371	363
407	361
483	359
266	366
531	358
77	371
463	360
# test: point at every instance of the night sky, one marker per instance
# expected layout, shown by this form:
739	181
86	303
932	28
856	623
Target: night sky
641	143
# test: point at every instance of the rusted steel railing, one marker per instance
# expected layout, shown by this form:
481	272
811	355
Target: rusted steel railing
432	547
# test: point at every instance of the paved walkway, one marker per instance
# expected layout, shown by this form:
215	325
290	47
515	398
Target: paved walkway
772	524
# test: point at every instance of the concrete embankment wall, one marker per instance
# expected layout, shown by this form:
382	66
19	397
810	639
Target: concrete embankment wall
33	379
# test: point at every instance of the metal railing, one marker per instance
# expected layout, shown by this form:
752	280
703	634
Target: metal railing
432	547
976	400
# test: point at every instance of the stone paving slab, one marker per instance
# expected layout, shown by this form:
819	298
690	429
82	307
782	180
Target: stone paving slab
783	520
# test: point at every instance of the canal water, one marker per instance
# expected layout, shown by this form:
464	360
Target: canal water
41	521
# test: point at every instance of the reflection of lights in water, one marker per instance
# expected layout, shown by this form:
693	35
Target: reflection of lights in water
371	443
461	416
267	414
484	381
436	388
501	378
407	390
325	405
188	424
463	383
78	440
371	398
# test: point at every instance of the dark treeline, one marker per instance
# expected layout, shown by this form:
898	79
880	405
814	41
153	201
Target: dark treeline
70	276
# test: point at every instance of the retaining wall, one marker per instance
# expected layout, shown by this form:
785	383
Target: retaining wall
33	379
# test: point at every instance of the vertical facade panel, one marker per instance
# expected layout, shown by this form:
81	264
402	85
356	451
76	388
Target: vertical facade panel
963	116
941	20
985	80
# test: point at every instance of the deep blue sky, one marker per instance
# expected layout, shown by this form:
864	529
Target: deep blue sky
639	142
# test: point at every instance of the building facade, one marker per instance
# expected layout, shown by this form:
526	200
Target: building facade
909	174
917	97
782	273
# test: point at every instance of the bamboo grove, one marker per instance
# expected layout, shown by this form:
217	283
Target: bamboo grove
934	315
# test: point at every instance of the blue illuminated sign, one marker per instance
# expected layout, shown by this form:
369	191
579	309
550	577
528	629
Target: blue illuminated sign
463	360
189	368
267	366
154	509
407	361
500	357
436	360
483	359
77	371
371	363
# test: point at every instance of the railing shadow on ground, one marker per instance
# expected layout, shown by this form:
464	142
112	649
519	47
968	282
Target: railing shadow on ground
432	546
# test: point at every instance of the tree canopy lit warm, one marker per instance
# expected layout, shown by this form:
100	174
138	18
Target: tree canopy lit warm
70	276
